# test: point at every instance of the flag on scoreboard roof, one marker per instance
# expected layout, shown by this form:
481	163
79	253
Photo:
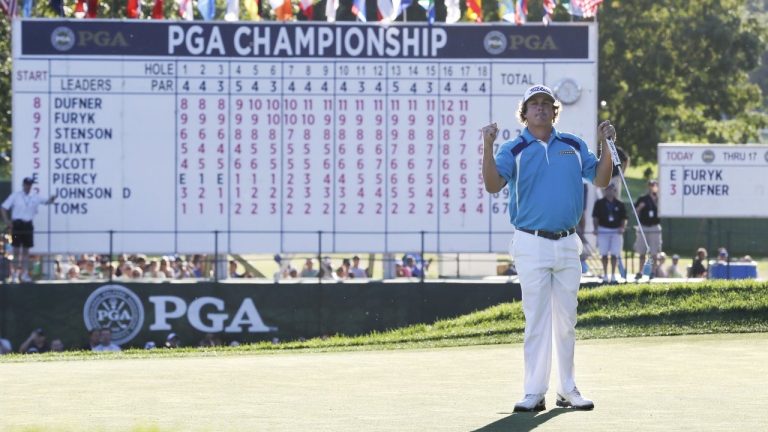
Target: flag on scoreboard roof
330	10
453	11
521	11
9	7
157	10
185	10
57	6
515	13
26	10
283	9
385	10
133	9
400	6
207	9
358	8
475	10
549	9
507	10
93	9
308	9
571	7
233	10
429	6
588	7
80	7
254	9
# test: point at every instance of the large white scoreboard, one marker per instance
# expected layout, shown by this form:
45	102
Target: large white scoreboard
255	137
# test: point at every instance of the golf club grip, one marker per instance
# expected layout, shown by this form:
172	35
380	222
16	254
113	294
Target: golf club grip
614	153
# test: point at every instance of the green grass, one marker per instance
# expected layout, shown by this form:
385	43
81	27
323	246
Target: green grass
605	312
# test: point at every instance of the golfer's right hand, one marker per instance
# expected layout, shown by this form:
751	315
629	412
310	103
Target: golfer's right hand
490	133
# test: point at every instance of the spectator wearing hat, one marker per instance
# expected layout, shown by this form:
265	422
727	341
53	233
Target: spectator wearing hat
698	268
23	205
172	341
722	255
647	207
673	271
326	269
661	267
35	343
105	341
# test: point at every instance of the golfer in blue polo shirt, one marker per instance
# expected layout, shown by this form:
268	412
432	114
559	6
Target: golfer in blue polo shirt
544	169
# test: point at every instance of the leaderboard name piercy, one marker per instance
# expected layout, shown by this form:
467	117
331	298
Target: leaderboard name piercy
303	41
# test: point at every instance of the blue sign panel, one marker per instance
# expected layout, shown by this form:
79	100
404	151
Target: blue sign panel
265	40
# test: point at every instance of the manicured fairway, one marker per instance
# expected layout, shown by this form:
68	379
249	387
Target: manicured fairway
691	383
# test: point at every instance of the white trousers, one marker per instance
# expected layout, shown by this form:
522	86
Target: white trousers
550	274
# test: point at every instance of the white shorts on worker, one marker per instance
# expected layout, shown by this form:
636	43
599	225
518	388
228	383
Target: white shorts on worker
609	241
550	274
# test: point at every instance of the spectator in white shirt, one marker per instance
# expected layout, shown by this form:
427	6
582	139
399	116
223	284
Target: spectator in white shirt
23	205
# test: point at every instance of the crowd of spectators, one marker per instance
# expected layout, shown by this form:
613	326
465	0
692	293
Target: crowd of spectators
100	340
325	269
141	267
88	267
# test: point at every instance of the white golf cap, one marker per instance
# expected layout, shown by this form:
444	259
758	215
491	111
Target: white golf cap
537	89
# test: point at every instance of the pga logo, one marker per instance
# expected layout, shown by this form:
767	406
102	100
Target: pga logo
117	308
208	321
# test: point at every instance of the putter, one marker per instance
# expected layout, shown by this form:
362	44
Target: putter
648	266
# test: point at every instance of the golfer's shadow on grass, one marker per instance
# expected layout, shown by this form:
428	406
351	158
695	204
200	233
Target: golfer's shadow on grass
523	422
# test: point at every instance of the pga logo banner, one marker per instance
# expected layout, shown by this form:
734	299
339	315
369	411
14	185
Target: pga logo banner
120	309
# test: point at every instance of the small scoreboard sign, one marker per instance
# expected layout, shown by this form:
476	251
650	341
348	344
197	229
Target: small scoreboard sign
713	180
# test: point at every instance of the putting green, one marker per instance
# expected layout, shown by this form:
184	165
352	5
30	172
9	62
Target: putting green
698	383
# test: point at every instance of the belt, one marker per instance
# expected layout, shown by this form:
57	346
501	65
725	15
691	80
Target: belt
549	234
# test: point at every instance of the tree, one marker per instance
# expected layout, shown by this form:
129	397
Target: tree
759	76
5	89
678	71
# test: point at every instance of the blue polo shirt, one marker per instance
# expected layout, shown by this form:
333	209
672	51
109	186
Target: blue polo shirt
544	179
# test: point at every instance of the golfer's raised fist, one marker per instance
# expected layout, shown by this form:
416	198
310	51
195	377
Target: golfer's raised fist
490	132
605	130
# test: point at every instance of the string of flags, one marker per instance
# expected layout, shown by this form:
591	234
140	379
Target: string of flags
513	11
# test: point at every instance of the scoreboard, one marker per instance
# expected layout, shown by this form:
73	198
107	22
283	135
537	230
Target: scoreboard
255	137
713	180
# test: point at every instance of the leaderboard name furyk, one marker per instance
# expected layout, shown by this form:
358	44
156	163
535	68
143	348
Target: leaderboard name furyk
304	41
